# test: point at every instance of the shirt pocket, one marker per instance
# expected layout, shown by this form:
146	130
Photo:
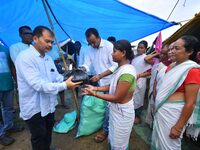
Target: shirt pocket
53	76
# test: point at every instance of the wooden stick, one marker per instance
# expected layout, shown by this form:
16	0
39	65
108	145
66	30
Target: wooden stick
64	62
76	105
52	28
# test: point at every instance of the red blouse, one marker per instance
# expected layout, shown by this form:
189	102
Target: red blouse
193	77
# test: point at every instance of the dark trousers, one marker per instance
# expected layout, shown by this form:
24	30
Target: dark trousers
41	131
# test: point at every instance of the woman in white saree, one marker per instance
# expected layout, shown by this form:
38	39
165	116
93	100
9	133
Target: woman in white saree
120	97
176	101
142	65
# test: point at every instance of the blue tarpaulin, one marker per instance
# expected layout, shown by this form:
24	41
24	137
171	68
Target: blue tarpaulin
109	17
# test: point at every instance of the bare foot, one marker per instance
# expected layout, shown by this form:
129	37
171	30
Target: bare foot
101	137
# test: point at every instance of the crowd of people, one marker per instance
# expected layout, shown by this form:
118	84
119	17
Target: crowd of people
32	68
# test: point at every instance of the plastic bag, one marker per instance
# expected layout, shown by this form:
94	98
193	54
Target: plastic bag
66	124
78	75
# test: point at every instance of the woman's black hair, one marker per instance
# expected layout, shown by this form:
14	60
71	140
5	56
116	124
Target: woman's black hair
144	43
191	44
124	45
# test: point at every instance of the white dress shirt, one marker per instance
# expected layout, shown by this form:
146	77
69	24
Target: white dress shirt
38	83
101	60
15	49
82	56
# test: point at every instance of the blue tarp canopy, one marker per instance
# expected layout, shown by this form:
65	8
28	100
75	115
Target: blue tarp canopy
109	17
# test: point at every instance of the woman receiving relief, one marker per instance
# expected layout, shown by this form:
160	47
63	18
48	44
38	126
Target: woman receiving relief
120	97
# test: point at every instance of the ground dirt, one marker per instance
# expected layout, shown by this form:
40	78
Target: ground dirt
139	140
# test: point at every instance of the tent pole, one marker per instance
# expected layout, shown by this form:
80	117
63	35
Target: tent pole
61	55
52	28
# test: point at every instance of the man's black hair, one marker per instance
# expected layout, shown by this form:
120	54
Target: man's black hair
39	30
23	27
91	31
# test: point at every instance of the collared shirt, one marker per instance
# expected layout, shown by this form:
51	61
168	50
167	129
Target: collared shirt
101	60
6	81
82	57
15	49
38	83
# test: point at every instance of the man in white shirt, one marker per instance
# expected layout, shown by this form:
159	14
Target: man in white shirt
38	84
26	35
99	56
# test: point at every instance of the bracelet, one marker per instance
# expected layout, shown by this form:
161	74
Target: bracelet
97	88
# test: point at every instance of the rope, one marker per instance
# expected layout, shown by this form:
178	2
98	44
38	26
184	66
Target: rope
56	18
172	10
170	14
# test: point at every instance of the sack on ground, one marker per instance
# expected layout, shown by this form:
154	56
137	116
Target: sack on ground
91	115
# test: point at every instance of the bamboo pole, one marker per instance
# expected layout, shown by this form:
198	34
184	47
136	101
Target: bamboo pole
76	104
64	62
52	28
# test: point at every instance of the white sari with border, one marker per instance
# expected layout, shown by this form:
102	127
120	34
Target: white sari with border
157	73
168	112
121	116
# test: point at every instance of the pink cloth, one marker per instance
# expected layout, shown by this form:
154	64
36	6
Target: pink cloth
158	45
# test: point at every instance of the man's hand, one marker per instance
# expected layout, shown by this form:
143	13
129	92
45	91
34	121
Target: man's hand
72	85
95	78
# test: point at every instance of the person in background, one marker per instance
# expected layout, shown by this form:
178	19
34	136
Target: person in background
99	57
176	104
26	36
76	55
157	73
38	85
142	66
120	97
111	39
6	98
